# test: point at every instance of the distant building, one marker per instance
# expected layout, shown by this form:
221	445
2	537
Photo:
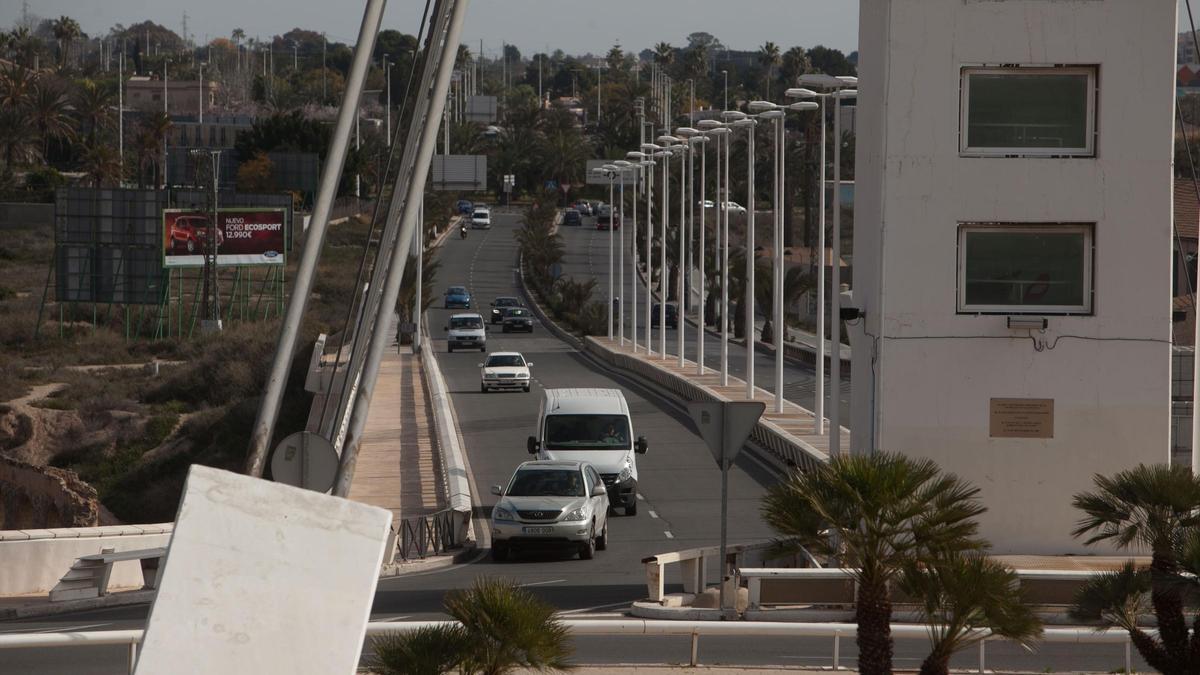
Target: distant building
183	96
1011	243
218	131
1185	49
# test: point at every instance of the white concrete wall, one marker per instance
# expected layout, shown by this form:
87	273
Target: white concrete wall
32	561
928	392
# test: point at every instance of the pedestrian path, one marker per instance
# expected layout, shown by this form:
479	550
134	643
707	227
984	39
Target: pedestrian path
796	422
397	457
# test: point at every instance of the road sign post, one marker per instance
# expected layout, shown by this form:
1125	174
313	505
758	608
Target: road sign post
725	428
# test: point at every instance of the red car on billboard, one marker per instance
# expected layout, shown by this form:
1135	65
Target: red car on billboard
244	236
190	233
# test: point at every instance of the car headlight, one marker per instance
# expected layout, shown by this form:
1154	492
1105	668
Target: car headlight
500	513
491	376
522	376
626	472
495	311
578	514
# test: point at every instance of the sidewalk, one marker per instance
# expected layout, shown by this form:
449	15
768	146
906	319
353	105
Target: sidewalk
396	460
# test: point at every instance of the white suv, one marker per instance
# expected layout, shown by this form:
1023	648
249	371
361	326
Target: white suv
504	370
481	219
548	505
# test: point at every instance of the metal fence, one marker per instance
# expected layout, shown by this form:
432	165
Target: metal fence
423	536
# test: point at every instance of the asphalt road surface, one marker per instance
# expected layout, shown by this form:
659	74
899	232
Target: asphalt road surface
587	256
679	483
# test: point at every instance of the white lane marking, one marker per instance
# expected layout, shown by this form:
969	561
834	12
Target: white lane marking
395	618
640	497
589	610
543	583
653	514
669	535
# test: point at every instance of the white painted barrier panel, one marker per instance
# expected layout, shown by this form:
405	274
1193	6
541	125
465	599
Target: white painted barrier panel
32	561
264	578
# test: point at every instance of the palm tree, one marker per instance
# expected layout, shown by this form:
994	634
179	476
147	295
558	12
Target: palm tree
509	628
768	56
664	54
430	650
50	110
151	136
1156	507
93	106
16	86
18	137
565	156
794	64
102	164
873	514
961	597
65	30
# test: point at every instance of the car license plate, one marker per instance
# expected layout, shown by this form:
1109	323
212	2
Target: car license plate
538	530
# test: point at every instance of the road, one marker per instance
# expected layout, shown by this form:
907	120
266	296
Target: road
679	483
586	256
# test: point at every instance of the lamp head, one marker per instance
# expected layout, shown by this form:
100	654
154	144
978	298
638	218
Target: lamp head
761	106
708	124
686	132
800	92
771	114
733	115
801	106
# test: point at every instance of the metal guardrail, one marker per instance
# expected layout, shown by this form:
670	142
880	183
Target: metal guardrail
646	627
422	536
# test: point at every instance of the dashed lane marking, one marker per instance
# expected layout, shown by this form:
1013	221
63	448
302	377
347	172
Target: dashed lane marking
669	535
653	514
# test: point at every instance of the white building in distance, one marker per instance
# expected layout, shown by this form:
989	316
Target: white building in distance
1014	171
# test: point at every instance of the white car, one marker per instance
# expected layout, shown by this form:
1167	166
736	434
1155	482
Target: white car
733	207
481	219
504	370
549	505
466	331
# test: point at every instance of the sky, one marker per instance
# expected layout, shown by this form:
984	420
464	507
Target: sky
575	26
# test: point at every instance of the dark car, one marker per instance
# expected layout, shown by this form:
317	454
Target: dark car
465	206
606	220
672	315
500	304
584	208
572	218
517	319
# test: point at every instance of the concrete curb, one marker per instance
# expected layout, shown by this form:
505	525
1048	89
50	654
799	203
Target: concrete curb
43	609
450	445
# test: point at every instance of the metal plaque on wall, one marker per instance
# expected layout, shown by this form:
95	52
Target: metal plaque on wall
1021	418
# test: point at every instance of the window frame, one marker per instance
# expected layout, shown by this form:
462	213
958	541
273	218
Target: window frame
1091	134
1089	281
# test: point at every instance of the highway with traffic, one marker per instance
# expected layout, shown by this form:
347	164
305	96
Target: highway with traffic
679	487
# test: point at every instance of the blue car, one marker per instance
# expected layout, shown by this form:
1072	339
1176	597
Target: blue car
457	296
465	206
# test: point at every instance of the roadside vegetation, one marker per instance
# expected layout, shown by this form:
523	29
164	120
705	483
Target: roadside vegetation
502	628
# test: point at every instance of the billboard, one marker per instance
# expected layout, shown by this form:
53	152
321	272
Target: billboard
458	173
243	237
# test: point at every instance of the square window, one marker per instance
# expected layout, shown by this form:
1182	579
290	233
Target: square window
1026	111
1025	269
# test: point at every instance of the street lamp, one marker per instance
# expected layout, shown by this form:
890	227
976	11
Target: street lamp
669	150
387	75
829	85
722	133
212	296
749	123
702	328
638	164
622	166
609	171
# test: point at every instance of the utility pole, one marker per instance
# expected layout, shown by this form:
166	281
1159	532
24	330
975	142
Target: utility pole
121	112
387	73
211	308
201	97
324	87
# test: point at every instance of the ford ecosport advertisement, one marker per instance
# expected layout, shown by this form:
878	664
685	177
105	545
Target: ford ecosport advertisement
243	237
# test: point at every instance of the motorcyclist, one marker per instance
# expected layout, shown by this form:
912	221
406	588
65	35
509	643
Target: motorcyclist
462	231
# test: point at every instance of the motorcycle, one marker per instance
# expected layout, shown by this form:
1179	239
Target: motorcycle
462	231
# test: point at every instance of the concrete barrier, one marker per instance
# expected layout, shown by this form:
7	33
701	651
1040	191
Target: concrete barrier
784	446
454	467
34	560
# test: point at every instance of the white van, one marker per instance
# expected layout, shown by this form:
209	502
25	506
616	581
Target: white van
594	426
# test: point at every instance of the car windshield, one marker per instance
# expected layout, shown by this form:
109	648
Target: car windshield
466	322
546	483
506	302
587	432
456	290
504	361
481	214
